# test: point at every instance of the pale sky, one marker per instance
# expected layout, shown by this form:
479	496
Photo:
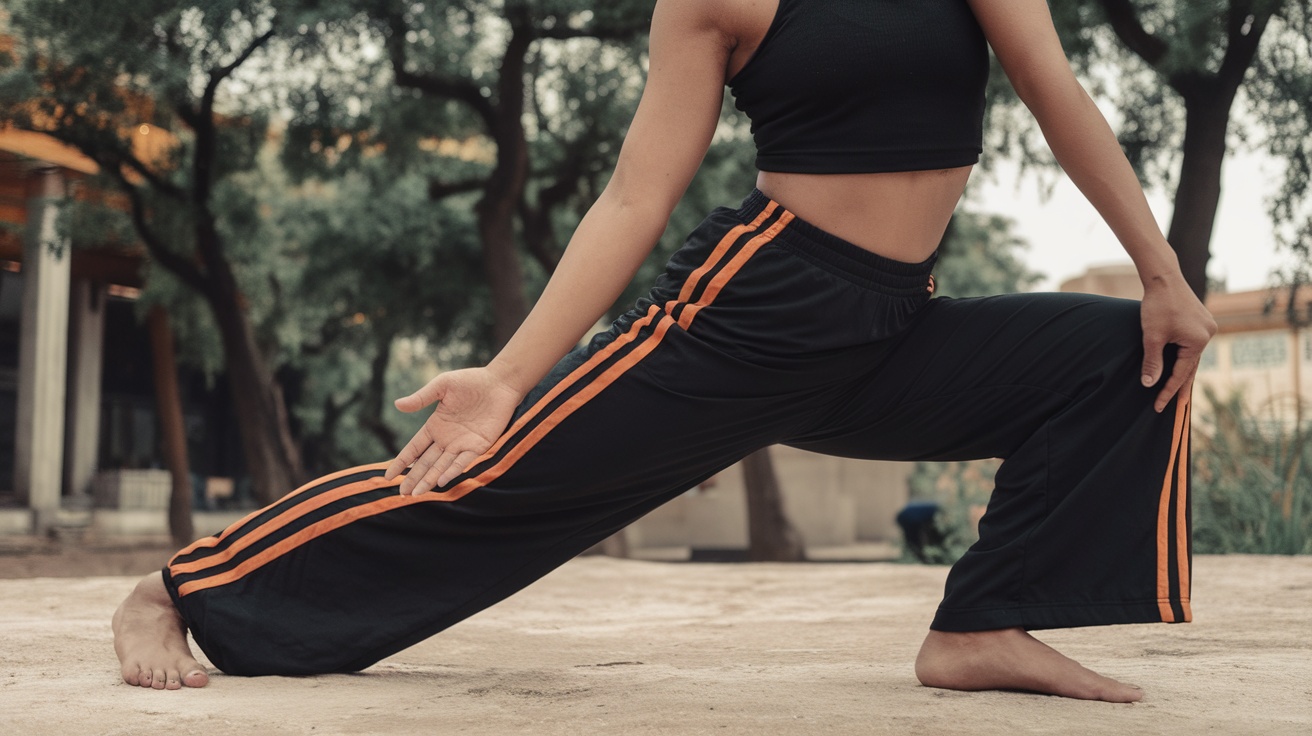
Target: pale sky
1066	236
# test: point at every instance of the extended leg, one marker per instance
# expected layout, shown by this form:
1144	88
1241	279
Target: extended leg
345	571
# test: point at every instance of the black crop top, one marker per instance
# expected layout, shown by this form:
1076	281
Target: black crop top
844	86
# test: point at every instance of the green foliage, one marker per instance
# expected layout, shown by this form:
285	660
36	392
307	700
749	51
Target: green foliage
980	256
961	490
1171	65
1148	81
367	259
1252	483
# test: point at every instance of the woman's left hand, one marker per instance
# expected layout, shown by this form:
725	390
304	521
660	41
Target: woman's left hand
1172	314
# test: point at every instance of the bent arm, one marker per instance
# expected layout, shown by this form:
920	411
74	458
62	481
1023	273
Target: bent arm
1022	36
665	144
1025	41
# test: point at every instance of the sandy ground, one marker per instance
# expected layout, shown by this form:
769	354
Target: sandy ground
625	647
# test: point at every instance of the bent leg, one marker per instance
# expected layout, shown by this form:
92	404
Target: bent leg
1088	523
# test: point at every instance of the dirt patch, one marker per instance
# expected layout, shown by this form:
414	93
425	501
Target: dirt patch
623	647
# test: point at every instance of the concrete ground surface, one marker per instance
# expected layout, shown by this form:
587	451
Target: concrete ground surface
625	647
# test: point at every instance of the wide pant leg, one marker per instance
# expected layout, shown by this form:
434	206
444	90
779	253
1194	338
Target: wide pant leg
1088	523
730	346
762	330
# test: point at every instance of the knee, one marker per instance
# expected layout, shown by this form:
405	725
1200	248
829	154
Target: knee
1116	327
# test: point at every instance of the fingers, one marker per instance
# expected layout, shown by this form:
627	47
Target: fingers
436	468
1153	348
431	392
1182	377
457	466
410	453
416	482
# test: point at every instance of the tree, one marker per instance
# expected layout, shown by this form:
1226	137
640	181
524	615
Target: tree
770	536
97	80
439	49
372	260
979	256
1182	66
173	434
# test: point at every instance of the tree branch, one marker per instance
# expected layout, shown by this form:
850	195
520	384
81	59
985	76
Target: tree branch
438	85
441	190
1242	47
1124	20
176	264
615	33
538	236
155	180
206	143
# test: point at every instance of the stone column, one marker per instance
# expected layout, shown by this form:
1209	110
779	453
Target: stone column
42	350
86	340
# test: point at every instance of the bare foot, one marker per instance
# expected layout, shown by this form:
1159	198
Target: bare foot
151	640
1011	659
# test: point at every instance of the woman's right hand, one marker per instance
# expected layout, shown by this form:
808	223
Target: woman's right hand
473	408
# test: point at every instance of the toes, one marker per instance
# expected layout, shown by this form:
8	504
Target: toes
196	678
144	677
173	681
158	679
131	674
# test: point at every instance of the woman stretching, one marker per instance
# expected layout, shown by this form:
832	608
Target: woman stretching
801	317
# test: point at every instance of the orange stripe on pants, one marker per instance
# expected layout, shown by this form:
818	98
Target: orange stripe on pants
1163	522
516	452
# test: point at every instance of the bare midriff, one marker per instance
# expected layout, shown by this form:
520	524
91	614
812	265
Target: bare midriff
899	215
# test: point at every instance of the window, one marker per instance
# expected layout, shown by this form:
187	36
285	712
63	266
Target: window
1267	350
1208	361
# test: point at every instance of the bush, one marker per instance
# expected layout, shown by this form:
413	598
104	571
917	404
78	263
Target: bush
960	489
1252	487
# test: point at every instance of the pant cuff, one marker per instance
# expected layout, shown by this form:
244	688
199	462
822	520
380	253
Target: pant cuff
1034	617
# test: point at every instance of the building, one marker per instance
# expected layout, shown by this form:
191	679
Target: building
78	437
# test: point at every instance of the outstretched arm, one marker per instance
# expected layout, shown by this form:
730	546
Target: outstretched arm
1022	36
665	144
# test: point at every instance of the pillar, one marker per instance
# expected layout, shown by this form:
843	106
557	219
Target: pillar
42	349
86	341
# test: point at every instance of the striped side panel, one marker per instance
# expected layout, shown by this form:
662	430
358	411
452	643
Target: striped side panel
1182	535
202	548
726	243
335	501
1172	528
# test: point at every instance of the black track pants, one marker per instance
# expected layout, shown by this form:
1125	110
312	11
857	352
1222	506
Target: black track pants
763	330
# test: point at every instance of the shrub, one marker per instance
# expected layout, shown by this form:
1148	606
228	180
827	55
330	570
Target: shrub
1252	487
960	489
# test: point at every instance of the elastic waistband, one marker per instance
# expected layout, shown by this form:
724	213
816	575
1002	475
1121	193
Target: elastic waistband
897	278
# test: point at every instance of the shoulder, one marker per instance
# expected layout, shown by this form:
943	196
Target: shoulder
734	21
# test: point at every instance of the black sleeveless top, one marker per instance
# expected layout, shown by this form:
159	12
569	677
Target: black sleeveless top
844	86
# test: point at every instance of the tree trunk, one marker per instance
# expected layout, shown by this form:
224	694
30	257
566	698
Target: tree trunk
771	537
505	187
505	274
272	458
616	545
173	432
1199	189
371	397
